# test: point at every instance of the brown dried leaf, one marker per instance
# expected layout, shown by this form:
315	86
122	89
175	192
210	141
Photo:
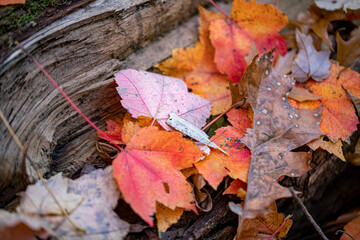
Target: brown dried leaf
348	51
278	128
264	226
322	19
22	227
355	99
283	64
354	157
330	146
310	63
302	95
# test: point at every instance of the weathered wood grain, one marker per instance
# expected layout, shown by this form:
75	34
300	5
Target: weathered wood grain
81	52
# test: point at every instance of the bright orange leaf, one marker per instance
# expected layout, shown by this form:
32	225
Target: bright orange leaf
148	171
238	188
195	65
166	217
338	114
250	22
217	165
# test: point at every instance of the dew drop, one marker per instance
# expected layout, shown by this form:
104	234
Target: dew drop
268	88
316	114
267	72
270	59
278	83
284	75
264	111
296	115
258	59
287	94
275	149
274	180
296	125
279	156
290	116
258	122
283	98
292	174
318	123
293	83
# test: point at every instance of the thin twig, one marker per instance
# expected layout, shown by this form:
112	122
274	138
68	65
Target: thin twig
67	97
22	149
279	227
307	214
222	114
220	10
342	231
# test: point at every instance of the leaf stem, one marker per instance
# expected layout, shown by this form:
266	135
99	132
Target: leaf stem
222	114
219	9
342	231
17	141
279	227
66	96
307	214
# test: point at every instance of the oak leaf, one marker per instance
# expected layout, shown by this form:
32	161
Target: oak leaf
302	95
232	38
153	95
310	63
196	66
278	128
148	171
217	165
263	227
338	114
348	51
331	147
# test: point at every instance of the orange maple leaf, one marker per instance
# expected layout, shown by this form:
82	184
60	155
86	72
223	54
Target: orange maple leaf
237	187
338	114
216	166
232	38
195	65
148	171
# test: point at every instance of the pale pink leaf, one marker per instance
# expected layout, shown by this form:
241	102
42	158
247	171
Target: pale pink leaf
309	62
154	95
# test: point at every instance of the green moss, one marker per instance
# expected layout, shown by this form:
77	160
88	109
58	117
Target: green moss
14	18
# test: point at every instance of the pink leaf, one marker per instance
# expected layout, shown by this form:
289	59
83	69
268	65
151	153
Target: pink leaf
154	95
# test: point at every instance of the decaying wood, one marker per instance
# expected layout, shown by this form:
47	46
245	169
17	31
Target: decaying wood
81	51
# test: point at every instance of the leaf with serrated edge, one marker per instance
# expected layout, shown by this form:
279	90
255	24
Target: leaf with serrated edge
278	128
154	95
148	171
310	63
217	165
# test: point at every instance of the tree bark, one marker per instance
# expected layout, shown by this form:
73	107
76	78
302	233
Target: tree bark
81	51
